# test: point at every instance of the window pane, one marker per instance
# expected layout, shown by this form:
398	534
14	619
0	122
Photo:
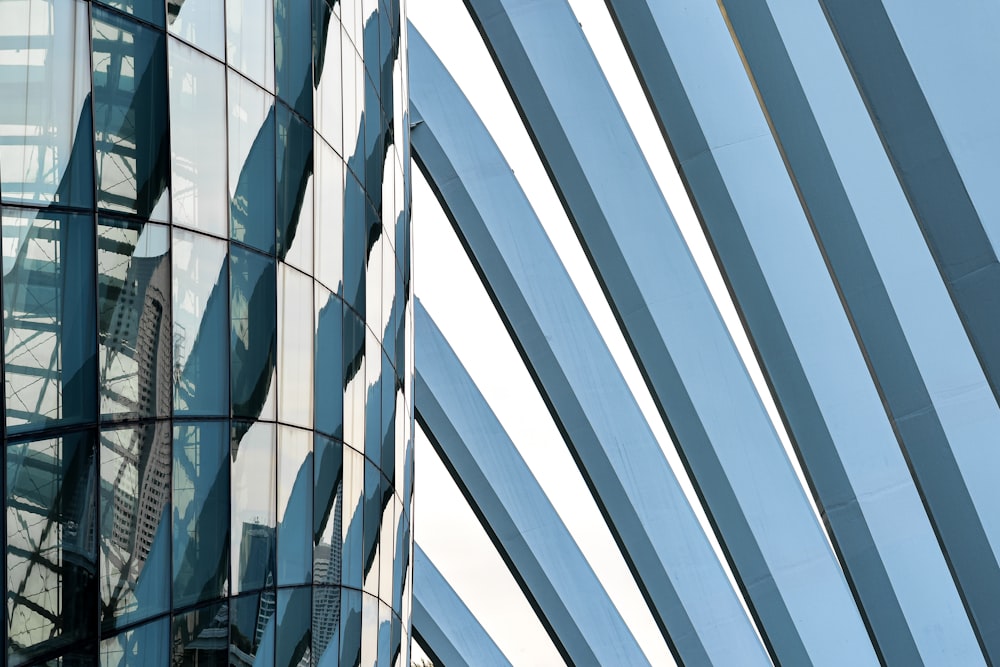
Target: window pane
293	645
326	625
329	218
293	55
355	244
372	522
135	523
350	628
250	39
143	9
373	397
147	644
252	334
133	273
200	512
47	154
198	22
329	374
326	72
251	628
130	116
201	360
295	340
295	506
253	505
354	491
198	139
200	638
355	389
251	164
328	502
51	552
50	333
295	189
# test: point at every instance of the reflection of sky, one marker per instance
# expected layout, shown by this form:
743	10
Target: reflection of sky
198	266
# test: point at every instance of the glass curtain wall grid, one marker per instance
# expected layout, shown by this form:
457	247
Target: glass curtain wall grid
839	157
207	332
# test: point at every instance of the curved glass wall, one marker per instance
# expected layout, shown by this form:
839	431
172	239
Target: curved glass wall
206	332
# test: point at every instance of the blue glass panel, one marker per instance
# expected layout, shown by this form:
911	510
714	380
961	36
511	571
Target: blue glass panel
51	551
147	644
130	116
253	505
47	156
372	522
251	165
352	527
295	347
354	380
373	397
201	512
133	276
295	186
251	629
295	506
200	291
355	244
350	628
294	632
252	334
329	364
50	346
327	511
135	523
200	638
293	55
153	12
326	625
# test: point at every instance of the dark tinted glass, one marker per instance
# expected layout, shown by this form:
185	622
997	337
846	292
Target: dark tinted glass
355	389
355	244
50	333
251	629
51	548
372	522
294	631
253	314
293	55
200	511
351	525
135	523
130	116
133	274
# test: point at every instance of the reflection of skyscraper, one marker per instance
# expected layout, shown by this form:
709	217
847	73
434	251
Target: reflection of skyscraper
326	576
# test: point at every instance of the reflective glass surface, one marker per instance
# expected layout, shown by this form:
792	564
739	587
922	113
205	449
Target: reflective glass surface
148	644
350	628
295	189
47	153
253	505
250	39
327	75
200	512
201	360
294	631
252	311
199	638
251	629
134	511
49	319
295	347
329	217
251	164
198	22
130	116
293	55
328	511
351	564
51	554
198	139
329	362
134	331
295	506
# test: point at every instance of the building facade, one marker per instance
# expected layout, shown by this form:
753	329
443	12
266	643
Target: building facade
207	332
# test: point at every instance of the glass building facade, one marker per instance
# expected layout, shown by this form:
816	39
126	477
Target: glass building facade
206	332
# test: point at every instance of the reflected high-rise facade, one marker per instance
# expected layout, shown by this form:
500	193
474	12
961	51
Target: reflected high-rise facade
207	332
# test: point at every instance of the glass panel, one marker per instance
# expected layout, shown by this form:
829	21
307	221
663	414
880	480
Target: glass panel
295	340
329	218
354	380
251	164
329	375
328	499
135	523
252	334
295	189
349	74
51	551
201	512
326	71
369	631
355	244
399	551
253	505
251	629
373	398
387	535
374	155
130	116
198	22
350	628
295	506
198	139
50	333
47	152
250	39
388	434
354	491
326	625
133	277
147	644
294	632
200	638
293	55
372	524
384	635
201	360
